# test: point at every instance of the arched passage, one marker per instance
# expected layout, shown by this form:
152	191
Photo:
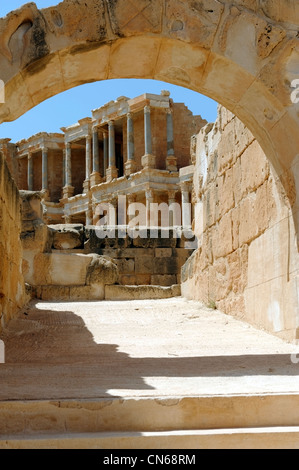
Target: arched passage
242	55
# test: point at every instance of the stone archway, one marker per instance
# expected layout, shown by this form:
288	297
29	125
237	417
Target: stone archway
243	55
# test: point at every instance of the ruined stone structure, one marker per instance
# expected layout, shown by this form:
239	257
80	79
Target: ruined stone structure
245	55
12	287
138	148
247	245
200	45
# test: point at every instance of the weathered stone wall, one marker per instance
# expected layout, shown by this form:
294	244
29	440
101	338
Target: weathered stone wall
247	262
12	287
142	261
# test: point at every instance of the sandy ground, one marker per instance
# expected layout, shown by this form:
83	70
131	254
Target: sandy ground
141	348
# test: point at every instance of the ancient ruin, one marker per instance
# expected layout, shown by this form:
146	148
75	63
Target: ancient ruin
241	178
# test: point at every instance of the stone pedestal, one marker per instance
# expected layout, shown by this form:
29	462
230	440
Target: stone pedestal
68	191
148	161
111	173
95	178
130	167
171	163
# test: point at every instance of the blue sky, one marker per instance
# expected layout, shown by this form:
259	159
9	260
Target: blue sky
66	108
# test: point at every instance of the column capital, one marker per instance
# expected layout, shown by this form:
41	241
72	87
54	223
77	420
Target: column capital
29	154
130	115
147	109
67	145
105	134
110	123
169	111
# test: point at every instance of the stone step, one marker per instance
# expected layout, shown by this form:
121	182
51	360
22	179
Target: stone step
254	438
120	292
113	292
139	415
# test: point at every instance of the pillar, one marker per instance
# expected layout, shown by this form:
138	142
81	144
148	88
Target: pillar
171	202
131	198
64	167
130	166
95	177
44	169
30	172
149	196
105	152
171	161
86	184
148	160
112	172
186	206
68	189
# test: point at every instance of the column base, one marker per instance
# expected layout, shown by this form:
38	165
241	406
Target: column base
45	195
171	163
130	167
95	178
68	191
86	186
111	173
148	161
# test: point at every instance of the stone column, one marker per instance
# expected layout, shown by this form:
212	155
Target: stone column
44	169
63	167
95	177
171	200
105	153
30	172
131	198
89	216
86	184
171	161
130	165
186	206
148	160
149	196
112	171
68	189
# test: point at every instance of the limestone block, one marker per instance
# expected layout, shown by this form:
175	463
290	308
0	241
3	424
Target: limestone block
163	252
39	240
166	266
255	168
101	270
125	266
135	17
248	229
67	237
141	292
144	265
67	270
136	252
225	192
202	21
127	280
224	244
164	280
